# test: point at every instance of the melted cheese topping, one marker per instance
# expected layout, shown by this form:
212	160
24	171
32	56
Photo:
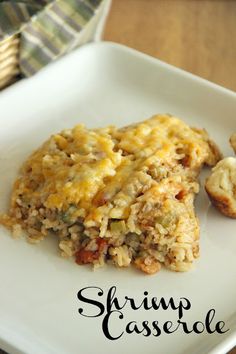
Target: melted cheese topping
101	172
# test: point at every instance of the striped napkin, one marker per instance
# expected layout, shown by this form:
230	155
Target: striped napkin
48	29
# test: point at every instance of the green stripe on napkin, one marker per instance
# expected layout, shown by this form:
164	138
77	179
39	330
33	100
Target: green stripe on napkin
48	28
53	30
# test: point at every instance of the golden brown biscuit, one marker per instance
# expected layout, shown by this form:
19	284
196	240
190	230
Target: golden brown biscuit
221	186
232	141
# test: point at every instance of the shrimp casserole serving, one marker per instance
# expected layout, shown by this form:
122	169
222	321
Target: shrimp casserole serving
123	196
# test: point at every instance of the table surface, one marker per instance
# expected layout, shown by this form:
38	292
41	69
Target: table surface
197	36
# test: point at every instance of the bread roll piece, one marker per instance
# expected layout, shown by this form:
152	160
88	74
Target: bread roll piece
221	186
232	141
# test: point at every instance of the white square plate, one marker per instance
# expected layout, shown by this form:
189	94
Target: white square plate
101	84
